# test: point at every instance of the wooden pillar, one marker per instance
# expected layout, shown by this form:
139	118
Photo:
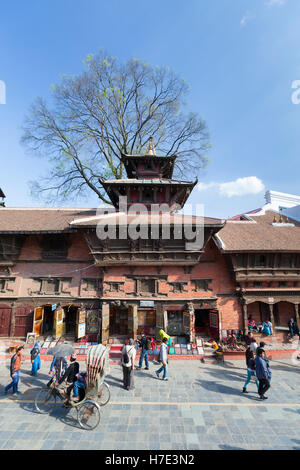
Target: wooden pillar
132	320
245	315
159	318
12	320
271	314
297	313
105	322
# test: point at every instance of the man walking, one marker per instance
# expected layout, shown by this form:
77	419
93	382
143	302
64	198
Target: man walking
15	366
263	373
163	356
145	344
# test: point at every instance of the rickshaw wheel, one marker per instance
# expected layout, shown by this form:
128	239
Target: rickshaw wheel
45	401
103	396
88	415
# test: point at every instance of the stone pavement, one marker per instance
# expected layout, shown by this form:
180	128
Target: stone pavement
200	407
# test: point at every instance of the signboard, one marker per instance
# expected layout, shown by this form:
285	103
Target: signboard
80	330
213	319
147	303
38	318
186	322
92	322
59	325
81	316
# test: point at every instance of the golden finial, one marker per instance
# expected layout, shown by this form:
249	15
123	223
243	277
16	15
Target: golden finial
150	149
286	220
280	219
274	219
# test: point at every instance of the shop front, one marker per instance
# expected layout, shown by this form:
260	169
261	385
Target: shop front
71	321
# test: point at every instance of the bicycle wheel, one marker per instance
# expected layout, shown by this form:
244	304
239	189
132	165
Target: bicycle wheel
88	415
45	401
103	396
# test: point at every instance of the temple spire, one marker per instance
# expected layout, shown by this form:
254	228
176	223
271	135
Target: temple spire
150	149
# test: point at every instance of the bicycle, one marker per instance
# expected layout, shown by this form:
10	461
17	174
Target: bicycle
88	410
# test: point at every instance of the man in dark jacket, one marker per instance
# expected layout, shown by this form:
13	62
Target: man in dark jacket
66	382
263	373
145	344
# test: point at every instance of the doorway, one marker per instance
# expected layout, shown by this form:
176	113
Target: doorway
71	319
48	323
118	321
202	321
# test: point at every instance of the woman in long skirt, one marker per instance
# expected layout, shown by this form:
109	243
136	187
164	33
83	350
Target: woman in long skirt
35	358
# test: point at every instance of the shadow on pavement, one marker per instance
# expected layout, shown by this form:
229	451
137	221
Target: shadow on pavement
221	388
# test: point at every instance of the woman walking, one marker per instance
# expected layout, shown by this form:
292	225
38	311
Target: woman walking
35	358
250	371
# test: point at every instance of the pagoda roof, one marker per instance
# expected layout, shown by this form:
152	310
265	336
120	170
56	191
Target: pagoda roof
123	218
164	157
147	181
166	163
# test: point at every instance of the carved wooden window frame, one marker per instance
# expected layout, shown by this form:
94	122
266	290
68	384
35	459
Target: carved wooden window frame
140	290
205	285
179	287
60	282
4	281
91	280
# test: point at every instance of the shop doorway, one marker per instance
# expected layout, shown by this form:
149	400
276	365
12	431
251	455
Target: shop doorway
118	321
202	321
48	322
71	319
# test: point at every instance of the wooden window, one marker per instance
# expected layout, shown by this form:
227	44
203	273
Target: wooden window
91	284
54	246
148	286
262	260
5	284
201	285
257	284
147	195
282	284
115	286
285	260
50	286
178	287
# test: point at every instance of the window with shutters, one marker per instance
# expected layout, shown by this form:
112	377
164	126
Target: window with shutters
201	285
91	284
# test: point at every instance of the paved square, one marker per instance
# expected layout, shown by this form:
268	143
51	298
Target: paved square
200	407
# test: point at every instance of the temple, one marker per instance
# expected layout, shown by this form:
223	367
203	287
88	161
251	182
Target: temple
142	264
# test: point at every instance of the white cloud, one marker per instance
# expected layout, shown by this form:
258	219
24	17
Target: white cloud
239	187
272	3
246	18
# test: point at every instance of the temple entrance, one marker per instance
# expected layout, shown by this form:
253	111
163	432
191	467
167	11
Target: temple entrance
118	321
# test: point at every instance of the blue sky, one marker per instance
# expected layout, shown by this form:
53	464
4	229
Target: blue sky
240	58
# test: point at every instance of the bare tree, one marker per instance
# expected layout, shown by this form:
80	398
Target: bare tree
111	107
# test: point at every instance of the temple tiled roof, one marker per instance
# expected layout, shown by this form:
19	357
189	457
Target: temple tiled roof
258	233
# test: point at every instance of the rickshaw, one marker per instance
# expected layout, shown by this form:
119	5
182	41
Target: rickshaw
97	392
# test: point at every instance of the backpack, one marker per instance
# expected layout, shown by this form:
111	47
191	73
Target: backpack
148	344
34	353
126	357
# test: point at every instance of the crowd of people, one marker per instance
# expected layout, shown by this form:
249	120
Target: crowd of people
68	378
